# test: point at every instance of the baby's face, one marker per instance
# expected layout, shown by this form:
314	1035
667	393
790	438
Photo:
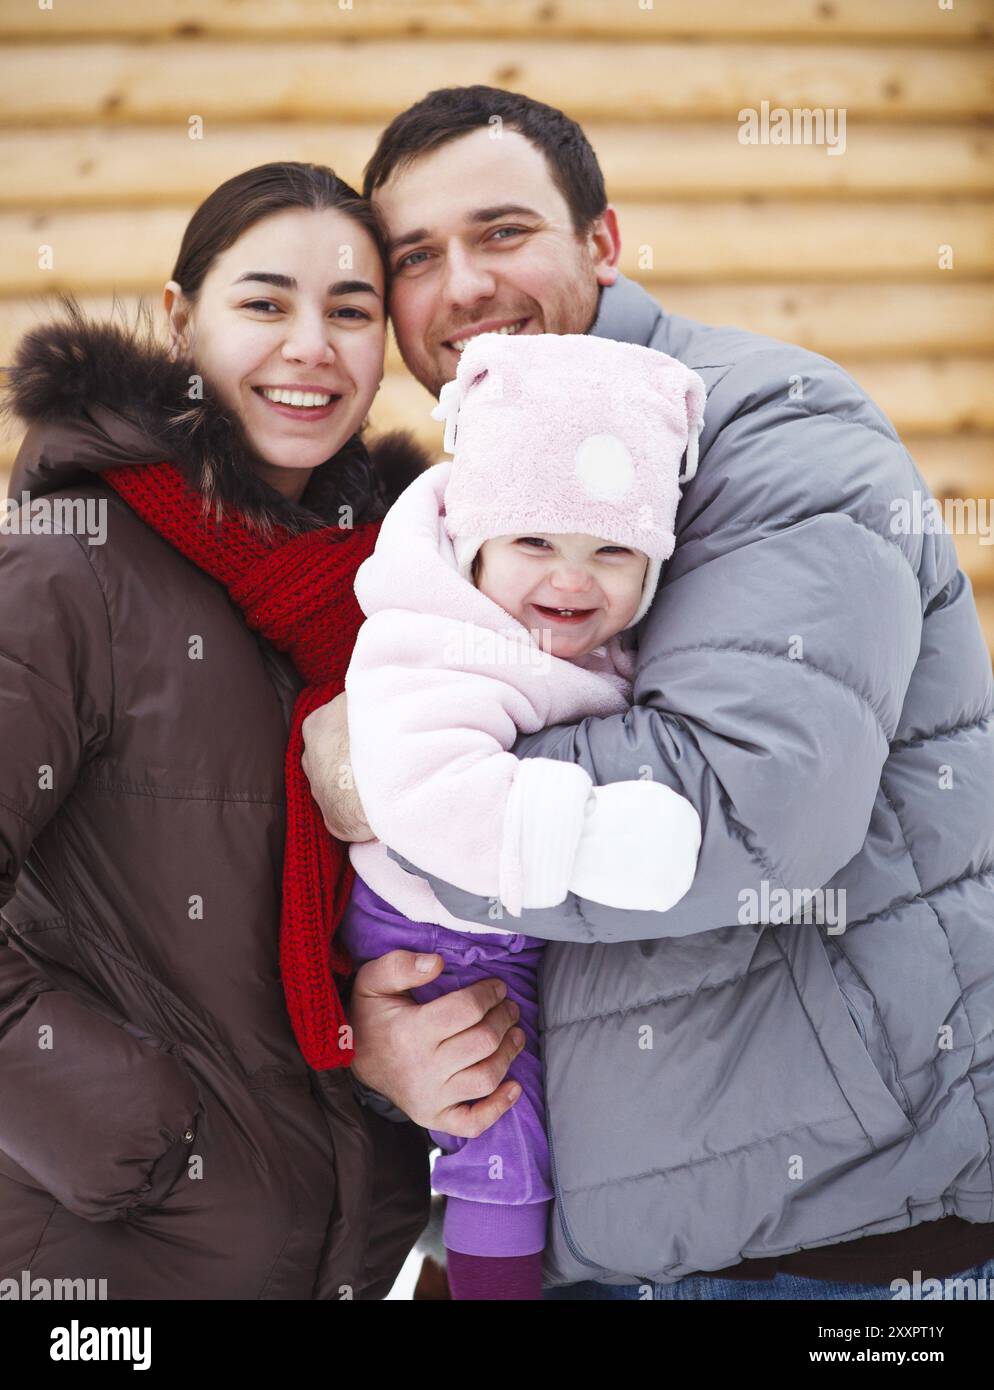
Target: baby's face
533	577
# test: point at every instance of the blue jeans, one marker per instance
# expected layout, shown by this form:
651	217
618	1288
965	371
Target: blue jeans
782	1286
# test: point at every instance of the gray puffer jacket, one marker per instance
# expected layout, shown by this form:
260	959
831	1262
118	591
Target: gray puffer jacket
724	1082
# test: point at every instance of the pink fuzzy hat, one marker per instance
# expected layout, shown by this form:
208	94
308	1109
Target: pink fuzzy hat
563	432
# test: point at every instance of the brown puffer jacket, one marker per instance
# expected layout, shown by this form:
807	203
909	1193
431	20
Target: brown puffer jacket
159	1128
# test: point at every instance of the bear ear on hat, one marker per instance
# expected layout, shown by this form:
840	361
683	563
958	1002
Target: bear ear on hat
695	399
681	384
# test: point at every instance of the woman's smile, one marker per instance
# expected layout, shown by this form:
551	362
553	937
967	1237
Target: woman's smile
304	405
295	350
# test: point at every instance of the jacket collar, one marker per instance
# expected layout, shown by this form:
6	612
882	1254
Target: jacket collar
627	313
98	396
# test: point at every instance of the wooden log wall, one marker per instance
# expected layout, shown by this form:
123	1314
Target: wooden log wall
841	253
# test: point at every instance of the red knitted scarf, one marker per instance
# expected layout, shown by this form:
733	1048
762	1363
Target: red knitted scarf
296	590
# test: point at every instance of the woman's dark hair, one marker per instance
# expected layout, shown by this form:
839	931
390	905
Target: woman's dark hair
449	112
247	198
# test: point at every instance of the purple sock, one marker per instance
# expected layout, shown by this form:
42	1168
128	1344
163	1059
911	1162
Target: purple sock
493	1277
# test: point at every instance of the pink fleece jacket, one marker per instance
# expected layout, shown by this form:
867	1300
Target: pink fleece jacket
442	681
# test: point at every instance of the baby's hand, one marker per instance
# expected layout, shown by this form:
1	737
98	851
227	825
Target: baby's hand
326	765
638	848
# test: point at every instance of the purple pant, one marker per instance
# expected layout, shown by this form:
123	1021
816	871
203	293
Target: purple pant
498	1185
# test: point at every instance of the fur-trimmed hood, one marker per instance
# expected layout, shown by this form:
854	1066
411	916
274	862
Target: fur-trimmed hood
101	395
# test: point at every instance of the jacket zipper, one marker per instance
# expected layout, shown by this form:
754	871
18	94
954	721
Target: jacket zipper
571	1244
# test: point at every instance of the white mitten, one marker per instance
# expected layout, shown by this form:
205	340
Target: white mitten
638	847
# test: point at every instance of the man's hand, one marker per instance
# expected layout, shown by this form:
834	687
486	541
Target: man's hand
328	769
435	1060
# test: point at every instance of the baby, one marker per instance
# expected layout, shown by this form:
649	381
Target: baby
500	600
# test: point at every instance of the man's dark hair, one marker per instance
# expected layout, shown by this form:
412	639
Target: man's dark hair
449	112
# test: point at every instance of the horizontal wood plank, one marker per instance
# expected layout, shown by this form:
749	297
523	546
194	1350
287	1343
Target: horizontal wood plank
804	19
728	241
940	396
631	82
127	249
899	321
94	166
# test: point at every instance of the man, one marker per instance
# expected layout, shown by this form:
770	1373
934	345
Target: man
791	1070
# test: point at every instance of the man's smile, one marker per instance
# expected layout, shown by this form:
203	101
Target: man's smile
508	326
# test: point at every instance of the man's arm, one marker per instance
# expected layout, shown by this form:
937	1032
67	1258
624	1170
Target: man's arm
330	775
776	656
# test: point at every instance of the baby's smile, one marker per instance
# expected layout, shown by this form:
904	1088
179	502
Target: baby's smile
573	592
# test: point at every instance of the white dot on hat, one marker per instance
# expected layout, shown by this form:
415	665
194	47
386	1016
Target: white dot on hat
604	466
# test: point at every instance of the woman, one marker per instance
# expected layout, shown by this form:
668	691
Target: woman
165	962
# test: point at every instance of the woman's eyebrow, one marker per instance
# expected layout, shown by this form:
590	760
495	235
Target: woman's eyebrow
287	282
352	287
282	282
